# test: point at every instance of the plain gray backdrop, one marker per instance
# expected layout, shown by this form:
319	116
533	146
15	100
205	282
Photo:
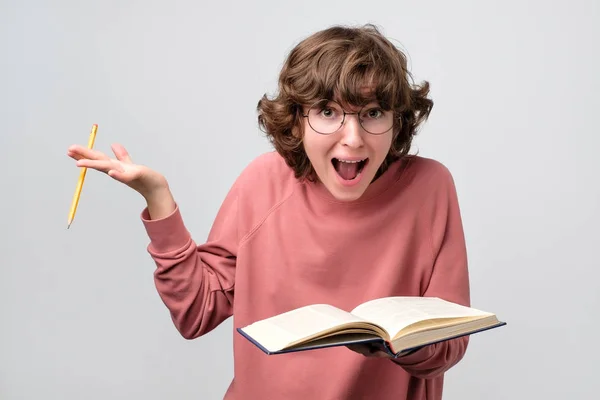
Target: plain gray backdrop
516	88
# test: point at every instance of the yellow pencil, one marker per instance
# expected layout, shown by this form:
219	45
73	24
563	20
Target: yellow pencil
81	179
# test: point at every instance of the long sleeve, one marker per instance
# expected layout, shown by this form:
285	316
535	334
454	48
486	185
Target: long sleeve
195	282
449	279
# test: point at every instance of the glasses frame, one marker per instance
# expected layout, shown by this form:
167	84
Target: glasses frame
344	118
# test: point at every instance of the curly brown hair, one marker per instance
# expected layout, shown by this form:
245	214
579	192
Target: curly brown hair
337	64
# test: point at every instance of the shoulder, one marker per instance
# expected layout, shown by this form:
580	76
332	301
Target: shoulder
423	181
263	185
268	173
268	162
428	169
427	175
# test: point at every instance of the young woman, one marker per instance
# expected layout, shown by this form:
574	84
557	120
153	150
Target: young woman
339	213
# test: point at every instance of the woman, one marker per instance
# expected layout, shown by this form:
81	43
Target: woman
339	213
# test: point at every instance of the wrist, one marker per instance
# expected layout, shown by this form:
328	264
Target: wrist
160	202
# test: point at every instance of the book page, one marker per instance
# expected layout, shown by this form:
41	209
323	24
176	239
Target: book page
396	313
277	332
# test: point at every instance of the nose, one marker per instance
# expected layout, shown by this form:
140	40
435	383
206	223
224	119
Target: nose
352	132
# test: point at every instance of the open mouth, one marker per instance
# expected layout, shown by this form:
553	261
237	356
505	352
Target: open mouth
349	169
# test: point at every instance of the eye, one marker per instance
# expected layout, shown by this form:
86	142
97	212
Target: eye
327	112
373	113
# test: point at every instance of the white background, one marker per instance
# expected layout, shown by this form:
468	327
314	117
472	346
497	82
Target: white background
515	85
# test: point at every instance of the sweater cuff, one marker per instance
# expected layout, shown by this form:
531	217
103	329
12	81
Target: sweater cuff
166	234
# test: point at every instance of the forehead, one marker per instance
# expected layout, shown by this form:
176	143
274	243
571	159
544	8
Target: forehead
366	99
357	96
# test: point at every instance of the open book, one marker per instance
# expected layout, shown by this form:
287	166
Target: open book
397	325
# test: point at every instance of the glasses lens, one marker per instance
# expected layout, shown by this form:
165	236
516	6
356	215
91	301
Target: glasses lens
325	116
375	120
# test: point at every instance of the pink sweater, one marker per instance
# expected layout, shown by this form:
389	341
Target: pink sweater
278	244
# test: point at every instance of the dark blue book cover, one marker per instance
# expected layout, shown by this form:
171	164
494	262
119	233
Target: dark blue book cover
345	339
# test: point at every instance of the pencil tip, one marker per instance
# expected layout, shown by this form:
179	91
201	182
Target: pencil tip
68	226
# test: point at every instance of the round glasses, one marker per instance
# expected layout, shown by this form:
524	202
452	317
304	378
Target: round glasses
328	116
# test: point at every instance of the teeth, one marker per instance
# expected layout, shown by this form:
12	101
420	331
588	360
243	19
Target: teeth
350	162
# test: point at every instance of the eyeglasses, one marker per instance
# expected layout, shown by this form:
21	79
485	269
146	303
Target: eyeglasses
328	116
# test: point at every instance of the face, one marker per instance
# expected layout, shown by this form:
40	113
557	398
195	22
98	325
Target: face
346	160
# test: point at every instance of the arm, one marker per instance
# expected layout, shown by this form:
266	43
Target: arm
449	279
195	282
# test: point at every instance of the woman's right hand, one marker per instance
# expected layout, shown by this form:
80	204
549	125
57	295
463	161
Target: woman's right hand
149	183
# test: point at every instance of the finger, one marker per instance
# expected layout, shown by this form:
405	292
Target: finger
121	153
100	165
360	349
75	156
79	152
368	351
379	354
